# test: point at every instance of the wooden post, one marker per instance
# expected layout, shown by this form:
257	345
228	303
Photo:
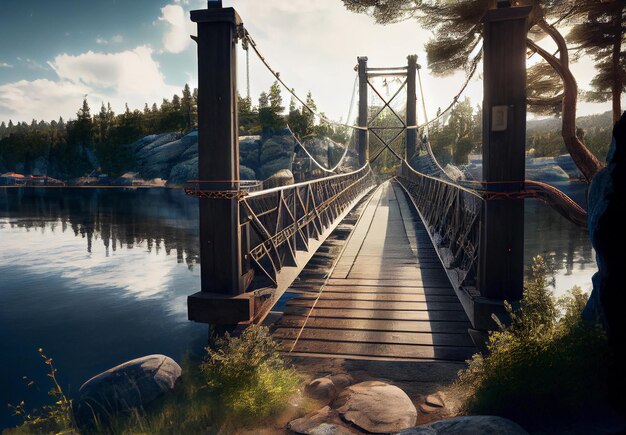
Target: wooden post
218	170
363	137
501	257
411	107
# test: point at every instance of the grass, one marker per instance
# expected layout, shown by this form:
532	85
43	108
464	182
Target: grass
242	382
547	364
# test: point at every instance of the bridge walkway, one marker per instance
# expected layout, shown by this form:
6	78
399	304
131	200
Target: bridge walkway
387	296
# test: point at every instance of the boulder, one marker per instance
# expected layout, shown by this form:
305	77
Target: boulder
246	173
470	425
342	380
607	200
325	421
133	384
376	407
284	177
321	389
184	171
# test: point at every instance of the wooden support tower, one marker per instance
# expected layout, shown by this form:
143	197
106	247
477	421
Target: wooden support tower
411	107
222	299
501	257
363	136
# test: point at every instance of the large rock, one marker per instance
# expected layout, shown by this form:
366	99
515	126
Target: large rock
376	407
184	171
133	384
325	421
323	389
607	202
470	425
284	177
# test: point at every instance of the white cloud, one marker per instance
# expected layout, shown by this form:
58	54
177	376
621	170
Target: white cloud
130	76
41	99
5	65
115	39
178	28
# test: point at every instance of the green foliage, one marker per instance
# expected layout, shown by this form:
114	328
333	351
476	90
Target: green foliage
548	363
53	418
249	375
544	136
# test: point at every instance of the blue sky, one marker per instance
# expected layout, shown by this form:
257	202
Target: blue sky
52	53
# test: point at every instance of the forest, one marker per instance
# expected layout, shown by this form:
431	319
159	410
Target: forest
68	146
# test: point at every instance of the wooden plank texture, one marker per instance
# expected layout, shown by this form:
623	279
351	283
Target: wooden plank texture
388	296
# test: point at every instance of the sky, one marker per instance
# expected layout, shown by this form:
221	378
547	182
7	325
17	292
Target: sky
54	53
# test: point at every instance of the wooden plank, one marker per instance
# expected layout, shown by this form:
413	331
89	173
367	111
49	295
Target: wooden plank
418	290
347	313
380	350
412	326
376	305
399	297
379	282
383	337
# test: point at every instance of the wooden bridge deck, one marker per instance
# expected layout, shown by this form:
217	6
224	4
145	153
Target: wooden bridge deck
387	297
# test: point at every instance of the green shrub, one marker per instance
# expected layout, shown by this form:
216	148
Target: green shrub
249	375
547	363
53	418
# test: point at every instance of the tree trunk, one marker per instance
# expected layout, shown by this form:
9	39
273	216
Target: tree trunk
616	90
583	158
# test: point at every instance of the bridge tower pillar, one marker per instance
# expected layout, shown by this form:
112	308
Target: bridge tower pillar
363	135
501	257
411	107
222	299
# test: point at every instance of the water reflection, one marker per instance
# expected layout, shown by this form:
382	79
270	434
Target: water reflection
95	277
565	246
159	219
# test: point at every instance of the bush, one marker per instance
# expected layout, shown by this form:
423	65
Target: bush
547	363
249	375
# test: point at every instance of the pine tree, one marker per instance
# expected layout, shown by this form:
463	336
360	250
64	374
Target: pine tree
599	32
457	28
187	107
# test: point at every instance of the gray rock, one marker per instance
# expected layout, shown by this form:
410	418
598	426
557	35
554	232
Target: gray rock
321	389
376	407
246	173
184	171
133	384
470	425
342	380
434	400
607	200
284	177
325	421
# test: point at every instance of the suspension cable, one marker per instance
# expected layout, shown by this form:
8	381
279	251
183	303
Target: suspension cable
290	90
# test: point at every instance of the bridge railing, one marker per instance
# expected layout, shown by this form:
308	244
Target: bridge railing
282	220
452	215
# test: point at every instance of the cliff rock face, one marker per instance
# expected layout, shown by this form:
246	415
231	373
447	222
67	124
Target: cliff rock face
174	157
607	202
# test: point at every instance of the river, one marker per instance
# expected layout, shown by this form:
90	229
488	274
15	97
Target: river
96	277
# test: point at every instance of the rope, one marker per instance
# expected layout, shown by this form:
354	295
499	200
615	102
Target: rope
290	90
318	164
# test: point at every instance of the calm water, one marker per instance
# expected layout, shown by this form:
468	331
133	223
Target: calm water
97	277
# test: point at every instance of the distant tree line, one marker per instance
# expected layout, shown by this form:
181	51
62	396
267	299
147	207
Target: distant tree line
68	145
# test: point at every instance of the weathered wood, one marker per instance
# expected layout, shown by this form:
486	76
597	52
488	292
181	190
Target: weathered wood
362	137
347	313
384	337
376	305
411	107
501	256
376	325
385	300
330	295
381	350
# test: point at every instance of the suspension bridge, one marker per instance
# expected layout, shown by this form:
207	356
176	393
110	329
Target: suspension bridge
428	259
